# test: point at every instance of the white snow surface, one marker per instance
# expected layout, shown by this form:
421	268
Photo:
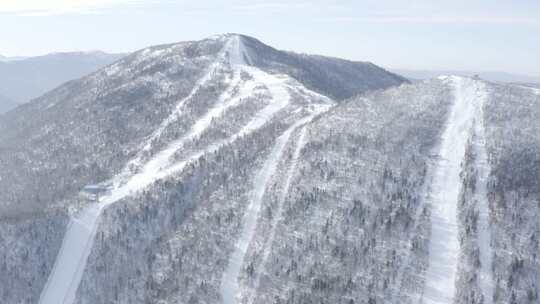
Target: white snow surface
230	289
238	53
445	190
68	269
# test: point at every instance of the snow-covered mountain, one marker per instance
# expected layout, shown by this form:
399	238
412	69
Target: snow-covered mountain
153	117
25	78
237	173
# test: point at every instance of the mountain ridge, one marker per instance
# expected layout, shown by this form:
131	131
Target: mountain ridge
27	78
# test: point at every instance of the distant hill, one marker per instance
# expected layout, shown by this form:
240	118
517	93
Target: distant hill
7	59
490	76
23	79
6	104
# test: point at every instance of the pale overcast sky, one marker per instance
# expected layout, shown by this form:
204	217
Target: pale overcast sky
481	35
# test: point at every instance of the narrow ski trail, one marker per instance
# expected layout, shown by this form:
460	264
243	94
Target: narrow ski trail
70	263
137	161
279	212
446	186
230	288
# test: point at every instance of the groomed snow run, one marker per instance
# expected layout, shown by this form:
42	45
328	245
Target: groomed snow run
65	277
67	271
227	54
279	212
445	190
230	289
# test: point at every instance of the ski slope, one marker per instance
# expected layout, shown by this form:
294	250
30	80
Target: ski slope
61	287
209	73
65	277
228	54
445	190
230	289
279	212
237	52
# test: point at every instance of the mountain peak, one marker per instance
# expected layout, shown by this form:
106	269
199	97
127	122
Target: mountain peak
225	36
237	51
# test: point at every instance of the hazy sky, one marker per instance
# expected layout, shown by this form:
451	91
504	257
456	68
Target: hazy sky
476	35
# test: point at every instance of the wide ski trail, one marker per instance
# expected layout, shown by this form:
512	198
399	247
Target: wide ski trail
67	271
445	190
